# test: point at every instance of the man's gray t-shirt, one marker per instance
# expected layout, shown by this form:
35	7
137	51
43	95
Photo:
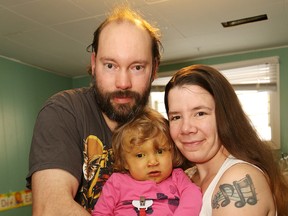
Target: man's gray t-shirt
71	134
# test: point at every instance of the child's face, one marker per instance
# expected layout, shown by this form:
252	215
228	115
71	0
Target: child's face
145	162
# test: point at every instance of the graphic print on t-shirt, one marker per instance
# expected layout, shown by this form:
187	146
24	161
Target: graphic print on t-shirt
97	168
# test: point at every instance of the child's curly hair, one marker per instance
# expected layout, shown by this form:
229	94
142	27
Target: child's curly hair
149	125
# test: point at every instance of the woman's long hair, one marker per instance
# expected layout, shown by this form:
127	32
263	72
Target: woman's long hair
234	128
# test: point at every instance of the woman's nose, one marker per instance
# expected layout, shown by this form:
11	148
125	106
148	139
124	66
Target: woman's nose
188	126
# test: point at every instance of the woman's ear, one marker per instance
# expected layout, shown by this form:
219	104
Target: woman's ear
93	63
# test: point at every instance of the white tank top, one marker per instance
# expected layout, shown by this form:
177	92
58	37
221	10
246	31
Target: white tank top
206	206
206	209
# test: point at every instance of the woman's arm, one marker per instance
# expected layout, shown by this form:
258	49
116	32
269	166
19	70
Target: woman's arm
243	190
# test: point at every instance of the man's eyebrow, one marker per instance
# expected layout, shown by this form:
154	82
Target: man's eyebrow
140	61
107	59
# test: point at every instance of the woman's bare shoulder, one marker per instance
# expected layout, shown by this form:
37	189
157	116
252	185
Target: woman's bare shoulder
243	188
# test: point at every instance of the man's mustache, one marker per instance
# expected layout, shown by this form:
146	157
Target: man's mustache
122	93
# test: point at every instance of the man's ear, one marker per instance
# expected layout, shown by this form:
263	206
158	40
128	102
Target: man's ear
154	70
93	63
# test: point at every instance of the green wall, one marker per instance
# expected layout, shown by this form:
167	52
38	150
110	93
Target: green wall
80	82
23	90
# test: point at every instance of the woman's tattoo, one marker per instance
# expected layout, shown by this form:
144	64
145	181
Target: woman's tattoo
241	192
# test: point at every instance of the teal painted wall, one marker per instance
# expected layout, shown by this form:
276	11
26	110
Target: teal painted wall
23	90
81	82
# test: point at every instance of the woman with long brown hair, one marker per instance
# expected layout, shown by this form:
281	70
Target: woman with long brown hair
235	169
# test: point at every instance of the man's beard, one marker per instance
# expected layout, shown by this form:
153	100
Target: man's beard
121	113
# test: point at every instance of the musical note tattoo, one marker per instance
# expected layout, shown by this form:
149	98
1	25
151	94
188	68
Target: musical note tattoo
241	192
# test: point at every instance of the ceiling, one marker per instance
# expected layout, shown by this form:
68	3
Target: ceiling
53	34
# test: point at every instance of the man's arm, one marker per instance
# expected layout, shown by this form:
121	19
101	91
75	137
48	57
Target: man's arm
53	192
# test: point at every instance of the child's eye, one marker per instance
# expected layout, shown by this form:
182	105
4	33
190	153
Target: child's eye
160	151
139	155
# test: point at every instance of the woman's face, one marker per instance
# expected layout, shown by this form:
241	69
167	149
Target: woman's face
193	123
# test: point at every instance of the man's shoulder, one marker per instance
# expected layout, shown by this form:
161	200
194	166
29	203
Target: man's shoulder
71	97
71	94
